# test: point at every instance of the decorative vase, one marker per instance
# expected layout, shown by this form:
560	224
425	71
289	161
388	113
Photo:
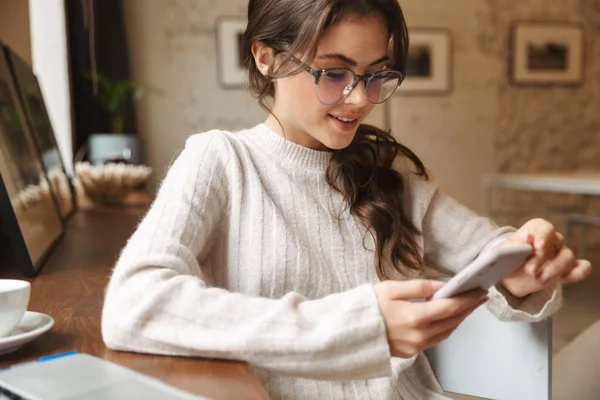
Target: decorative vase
106	148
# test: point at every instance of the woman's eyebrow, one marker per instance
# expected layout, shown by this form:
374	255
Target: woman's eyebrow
348	60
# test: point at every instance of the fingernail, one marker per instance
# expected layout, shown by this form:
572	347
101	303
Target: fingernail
531	269
545	277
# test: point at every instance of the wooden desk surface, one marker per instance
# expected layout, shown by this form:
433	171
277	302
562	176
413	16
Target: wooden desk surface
70	288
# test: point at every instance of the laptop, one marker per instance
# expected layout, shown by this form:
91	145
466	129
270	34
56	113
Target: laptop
83	377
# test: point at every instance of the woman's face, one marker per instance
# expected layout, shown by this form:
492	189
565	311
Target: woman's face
359	43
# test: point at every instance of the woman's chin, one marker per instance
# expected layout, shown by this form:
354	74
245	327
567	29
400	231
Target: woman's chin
339	142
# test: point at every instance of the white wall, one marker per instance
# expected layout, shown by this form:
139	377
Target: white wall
50	64
171	47
453	134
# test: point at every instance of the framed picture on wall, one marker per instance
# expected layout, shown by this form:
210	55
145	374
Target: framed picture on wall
429	63
31	97
28	209
546	53
230	59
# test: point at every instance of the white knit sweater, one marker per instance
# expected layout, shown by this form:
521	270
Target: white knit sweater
242	256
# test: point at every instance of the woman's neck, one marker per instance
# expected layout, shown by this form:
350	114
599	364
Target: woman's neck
293	134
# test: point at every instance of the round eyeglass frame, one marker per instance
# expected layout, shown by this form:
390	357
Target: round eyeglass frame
357	78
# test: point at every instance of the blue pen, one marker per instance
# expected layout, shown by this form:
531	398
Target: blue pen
41	360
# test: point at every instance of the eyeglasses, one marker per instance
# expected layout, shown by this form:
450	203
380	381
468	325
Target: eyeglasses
334	85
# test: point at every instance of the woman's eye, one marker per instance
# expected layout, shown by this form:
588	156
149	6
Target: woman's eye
333	75
384	76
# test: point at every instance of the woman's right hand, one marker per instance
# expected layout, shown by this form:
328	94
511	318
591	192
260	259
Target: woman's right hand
412	327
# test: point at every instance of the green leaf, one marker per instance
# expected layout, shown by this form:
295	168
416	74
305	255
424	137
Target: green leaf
140	92
118	96
113	95
116	124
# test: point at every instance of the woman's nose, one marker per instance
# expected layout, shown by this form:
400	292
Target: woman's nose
358	96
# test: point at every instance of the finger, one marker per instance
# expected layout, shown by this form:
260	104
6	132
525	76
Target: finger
438	327
440	337
444	334
582	270
412	289
547	247
561	265
445	308
542	231
560	240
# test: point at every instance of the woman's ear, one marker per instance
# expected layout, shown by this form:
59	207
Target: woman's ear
263	57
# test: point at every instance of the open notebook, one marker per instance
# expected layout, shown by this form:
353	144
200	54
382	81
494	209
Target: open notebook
83	377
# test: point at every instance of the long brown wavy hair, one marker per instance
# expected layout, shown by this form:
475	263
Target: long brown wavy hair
363	172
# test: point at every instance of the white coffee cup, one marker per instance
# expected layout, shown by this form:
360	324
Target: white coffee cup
14	299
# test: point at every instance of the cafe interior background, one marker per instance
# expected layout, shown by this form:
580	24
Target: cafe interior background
497	87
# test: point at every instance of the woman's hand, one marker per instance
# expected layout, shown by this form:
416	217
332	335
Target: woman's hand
552	261
412	327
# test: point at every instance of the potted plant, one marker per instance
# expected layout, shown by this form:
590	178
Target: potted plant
116	145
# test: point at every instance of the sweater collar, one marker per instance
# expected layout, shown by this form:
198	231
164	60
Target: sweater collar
291	152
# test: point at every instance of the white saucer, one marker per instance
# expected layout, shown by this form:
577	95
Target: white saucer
31	327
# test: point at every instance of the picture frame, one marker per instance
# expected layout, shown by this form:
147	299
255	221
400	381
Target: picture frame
32	100
28	210
229	43
547	53
428	63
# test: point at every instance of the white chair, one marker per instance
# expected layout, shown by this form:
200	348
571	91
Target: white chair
496	360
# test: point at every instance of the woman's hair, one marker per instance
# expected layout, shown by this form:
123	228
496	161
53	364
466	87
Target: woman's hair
362	172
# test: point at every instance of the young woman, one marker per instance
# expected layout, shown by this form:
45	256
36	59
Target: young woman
297	245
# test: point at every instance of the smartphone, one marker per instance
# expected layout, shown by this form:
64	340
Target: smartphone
486	271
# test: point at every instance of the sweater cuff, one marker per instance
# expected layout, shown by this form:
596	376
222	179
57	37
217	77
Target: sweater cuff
381	344
364	328
381	347
532	308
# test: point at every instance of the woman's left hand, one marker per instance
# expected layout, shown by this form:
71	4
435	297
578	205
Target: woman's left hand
552	262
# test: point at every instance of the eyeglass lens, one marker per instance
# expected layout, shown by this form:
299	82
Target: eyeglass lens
336	84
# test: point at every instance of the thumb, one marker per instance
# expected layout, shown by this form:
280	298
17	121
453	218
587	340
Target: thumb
413	289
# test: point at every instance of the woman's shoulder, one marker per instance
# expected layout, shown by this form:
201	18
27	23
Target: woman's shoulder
214	139
219	143
409	169
420	183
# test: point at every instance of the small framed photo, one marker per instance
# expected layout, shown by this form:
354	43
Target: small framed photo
230	55
29	214
545	53
429	62
31	97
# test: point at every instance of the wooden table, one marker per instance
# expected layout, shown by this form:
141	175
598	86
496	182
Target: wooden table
70	288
